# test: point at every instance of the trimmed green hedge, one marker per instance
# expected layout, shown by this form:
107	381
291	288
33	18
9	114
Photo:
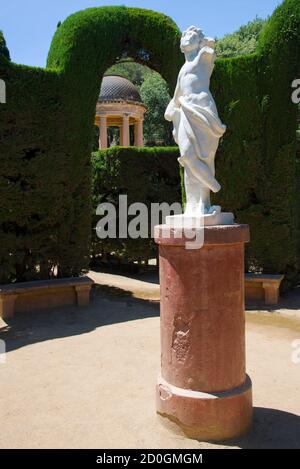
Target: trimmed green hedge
257	164
46	131
44	210
146	175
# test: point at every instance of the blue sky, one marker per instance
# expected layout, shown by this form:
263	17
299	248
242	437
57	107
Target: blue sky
29	25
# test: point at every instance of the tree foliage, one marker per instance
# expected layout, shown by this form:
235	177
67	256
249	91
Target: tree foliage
242	42
155	95
4	52
131	70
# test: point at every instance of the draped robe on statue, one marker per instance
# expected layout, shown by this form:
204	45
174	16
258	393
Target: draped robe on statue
197	126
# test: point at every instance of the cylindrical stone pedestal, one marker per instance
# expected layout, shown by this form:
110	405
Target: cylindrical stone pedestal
203	386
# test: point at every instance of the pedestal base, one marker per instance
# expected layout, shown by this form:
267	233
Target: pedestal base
204	416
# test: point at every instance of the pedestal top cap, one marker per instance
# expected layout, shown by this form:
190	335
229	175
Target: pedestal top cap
220	234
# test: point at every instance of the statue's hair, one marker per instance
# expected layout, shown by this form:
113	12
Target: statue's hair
205	41
196	30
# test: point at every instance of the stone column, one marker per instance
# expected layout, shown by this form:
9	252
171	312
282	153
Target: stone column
125	131
103	133
121	135
203	386
138	133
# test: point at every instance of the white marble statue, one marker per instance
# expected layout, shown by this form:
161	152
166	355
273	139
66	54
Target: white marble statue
197	126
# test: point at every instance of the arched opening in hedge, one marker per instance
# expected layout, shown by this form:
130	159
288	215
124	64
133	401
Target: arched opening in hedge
91	41
84	46
134	90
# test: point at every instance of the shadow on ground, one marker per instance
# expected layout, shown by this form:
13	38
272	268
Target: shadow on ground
272	429
150	275
109	305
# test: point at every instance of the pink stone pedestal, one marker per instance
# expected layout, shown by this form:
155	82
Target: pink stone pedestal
203	386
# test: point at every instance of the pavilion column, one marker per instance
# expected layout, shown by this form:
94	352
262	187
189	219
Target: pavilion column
125	131
103	133
121	135
138	133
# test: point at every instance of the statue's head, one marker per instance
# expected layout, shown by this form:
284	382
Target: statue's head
192	39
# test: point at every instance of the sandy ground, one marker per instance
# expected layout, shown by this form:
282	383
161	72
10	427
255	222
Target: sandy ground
85	378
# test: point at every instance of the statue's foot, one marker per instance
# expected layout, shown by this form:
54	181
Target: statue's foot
214	209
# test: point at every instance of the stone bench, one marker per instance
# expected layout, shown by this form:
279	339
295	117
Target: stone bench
44	294
261	287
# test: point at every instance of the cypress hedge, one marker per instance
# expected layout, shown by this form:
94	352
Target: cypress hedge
46	131
258	159
258	163
41	235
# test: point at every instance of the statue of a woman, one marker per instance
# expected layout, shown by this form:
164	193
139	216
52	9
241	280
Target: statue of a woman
197	126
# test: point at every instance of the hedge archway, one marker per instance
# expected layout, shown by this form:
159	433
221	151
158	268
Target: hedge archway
91	41
84	46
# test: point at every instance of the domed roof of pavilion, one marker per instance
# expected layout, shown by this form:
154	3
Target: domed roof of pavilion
117	88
